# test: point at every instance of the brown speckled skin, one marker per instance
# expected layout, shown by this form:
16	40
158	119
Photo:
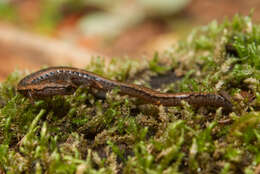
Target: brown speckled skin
65	80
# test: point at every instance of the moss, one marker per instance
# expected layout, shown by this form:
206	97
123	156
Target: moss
83	133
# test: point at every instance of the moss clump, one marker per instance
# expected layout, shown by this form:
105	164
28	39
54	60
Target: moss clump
84	134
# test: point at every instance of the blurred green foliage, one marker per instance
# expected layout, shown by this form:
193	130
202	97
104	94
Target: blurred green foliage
7	11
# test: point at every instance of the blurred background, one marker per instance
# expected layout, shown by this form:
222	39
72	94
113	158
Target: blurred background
35	33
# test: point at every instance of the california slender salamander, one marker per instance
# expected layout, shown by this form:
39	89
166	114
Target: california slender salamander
65	80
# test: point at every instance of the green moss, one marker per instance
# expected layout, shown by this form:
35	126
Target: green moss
82	133
154	65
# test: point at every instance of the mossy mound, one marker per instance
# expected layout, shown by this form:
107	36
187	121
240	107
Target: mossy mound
82	133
